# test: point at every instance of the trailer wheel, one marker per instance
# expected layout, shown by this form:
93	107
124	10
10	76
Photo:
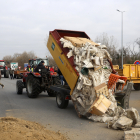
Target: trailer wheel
136	86
60	100
19	87
33	86
6	74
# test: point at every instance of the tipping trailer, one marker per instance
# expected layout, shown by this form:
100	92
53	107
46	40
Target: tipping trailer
67	67
65	64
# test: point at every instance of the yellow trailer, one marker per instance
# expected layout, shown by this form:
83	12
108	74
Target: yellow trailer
132	72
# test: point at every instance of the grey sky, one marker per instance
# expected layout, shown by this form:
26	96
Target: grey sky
24	24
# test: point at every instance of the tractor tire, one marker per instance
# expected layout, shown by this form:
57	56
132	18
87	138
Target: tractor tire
19	87
6	74
60	101
136	86
33	86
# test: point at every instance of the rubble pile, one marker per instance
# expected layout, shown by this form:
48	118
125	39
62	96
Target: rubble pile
94	95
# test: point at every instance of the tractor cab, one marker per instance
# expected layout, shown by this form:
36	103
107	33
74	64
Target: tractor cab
34	62
38	60
4	69
31	63
2	63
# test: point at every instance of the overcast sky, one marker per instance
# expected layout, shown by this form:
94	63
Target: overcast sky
24	24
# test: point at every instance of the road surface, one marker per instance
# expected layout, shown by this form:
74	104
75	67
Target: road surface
45	111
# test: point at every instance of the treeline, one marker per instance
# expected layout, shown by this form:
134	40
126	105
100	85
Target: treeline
24	57
21	58
131	51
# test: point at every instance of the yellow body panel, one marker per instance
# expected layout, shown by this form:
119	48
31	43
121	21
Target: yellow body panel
115	66
135	81
131	71
120	71
62	62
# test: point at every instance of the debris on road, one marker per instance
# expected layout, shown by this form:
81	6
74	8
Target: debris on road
134	134
123	123
94	93
17	129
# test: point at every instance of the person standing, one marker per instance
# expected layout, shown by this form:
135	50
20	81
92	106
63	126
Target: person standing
47	67
56	69
0	79
40	66
52	69
11	72
60	76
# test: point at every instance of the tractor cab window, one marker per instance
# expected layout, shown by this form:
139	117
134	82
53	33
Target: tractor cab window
38	61
35	63
46	62
2	63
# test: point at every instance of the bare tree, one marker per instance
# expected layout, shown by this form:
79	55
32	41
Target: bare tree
133	51
138	43
111	44
20	58
51	61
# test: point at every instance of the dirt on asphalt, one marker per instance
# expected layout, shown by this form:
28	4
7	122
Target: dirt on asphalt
16	129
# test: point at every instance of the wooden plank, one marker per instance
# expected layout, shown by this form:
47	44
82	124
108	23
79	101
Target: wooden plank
78	41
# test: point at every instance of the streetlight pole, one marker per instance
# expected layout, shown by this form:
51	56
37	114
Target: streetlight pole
121	35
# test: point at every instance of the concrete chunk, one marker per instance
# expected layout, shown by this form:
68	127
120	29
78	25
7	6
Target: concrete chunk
133	114
123	123
133	134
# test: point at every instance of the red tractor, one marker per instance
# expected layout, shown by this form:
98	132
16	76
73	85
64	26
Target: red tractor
36	82
4	69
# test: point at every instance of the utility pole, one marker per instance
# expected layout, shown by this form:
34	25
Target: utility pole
121	34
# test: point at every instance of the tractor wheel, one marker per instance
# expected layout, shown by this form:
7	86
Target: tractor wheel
60	100
19	87
136	86
6	74
33	86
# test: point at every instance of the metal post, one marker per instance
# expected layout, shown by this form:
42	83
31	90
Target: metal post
121	35
122	40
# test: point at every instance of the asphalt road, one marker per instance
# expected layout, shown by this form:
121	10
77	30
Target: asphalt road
45	111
